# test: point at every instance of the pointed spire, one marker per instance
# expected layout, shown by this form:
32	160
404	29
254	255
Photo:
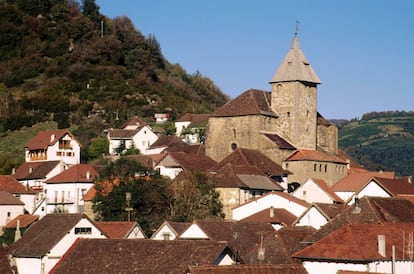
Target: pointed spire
295	66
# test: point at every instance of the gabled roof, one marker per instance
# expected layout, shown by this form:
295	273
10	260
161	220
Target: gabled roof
10	184
395	187
243	237
117	230
326	189
359	243
314	155
250	102
272	216
167	141
24	221
355	181
147	160
140	256
250	157
295	67
176	227
35	170
134	123
187	161
246	177
280	194
47	138
80	173
6	198
249	269
43	235
329	211
279	141
122	133
196	120
370	210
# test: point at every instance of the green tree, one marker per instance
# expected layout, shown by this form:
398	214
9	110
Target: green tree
169	128
98	147
150	194
195	198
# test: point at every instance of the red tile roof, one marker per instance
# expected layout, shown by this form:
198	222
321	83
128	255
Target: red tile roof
250	157
314	155
166	141
46	138
359	243
6	198
25	221
136	122
278	216
395	187
355	181
251	102
116	230
10	184
372	210
248	269
80	173
140	256
192	161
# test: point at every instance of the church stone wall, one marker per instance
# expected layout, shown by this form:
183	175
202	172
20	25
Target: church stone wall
327	138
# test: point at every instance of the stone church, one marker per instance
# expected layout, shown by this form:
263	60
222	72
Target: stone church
283	124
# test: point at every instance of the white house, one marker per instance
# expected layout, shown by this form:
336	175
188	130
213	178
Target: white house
170	230
277	199
317	215
53	145
190	127
47	240
316	191
65	191
10	207
135	134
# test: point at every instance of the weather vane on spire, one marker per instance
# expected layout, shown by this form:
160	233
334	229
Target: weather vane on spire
297	28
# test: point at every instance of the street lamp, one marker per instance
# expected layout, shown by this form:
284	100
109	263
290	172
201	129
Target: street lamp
128	205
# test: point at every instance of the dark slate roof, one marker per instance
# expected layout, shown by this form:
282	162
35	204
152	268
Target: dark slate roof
251	102
240	176
46	138
122	133
371	210
39	170
279	141
139	256
295	67
243	237
250	157
75	174
6	198
43	235
248	269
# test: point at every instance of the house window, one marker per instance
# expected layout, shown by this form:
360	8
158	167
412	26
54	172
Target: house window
8	214
166	236
326	168
233	146
288	114
83	230
314	167
64	144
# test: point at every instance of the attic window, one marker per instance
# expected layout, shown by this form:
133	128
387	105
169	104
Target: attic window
83	230
233	146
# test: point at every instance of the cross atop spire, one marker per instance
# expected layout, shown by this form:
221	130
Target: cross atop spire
297	28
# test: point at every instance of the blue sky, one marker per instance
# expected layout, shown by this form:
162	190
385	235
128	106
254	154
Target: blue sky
363	51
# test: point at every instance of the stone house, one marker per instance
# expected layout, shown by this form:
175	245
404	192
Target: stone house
279	122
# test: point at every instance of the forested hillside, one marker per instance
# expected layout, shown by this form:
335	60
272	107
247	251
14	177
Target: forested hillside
381	140
64	61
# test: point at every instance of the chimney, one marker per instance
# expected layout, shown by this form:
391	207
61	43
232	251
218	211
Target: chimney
30	169
381	245
272	212
88	174
357	207
17	234
13	171
52	137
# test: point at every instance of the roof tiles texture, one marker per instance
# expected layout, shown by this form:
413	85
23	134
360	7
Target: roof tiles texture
314	155
249	269
272	216
137	256
371	210
35	170
359	242
10	184
116	230
355	181
251	102
6	198
46	138
75	174
24	221
44	234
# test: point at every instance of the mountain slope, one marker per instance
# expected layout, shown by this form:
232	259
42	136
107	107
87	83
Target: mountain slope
381	140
